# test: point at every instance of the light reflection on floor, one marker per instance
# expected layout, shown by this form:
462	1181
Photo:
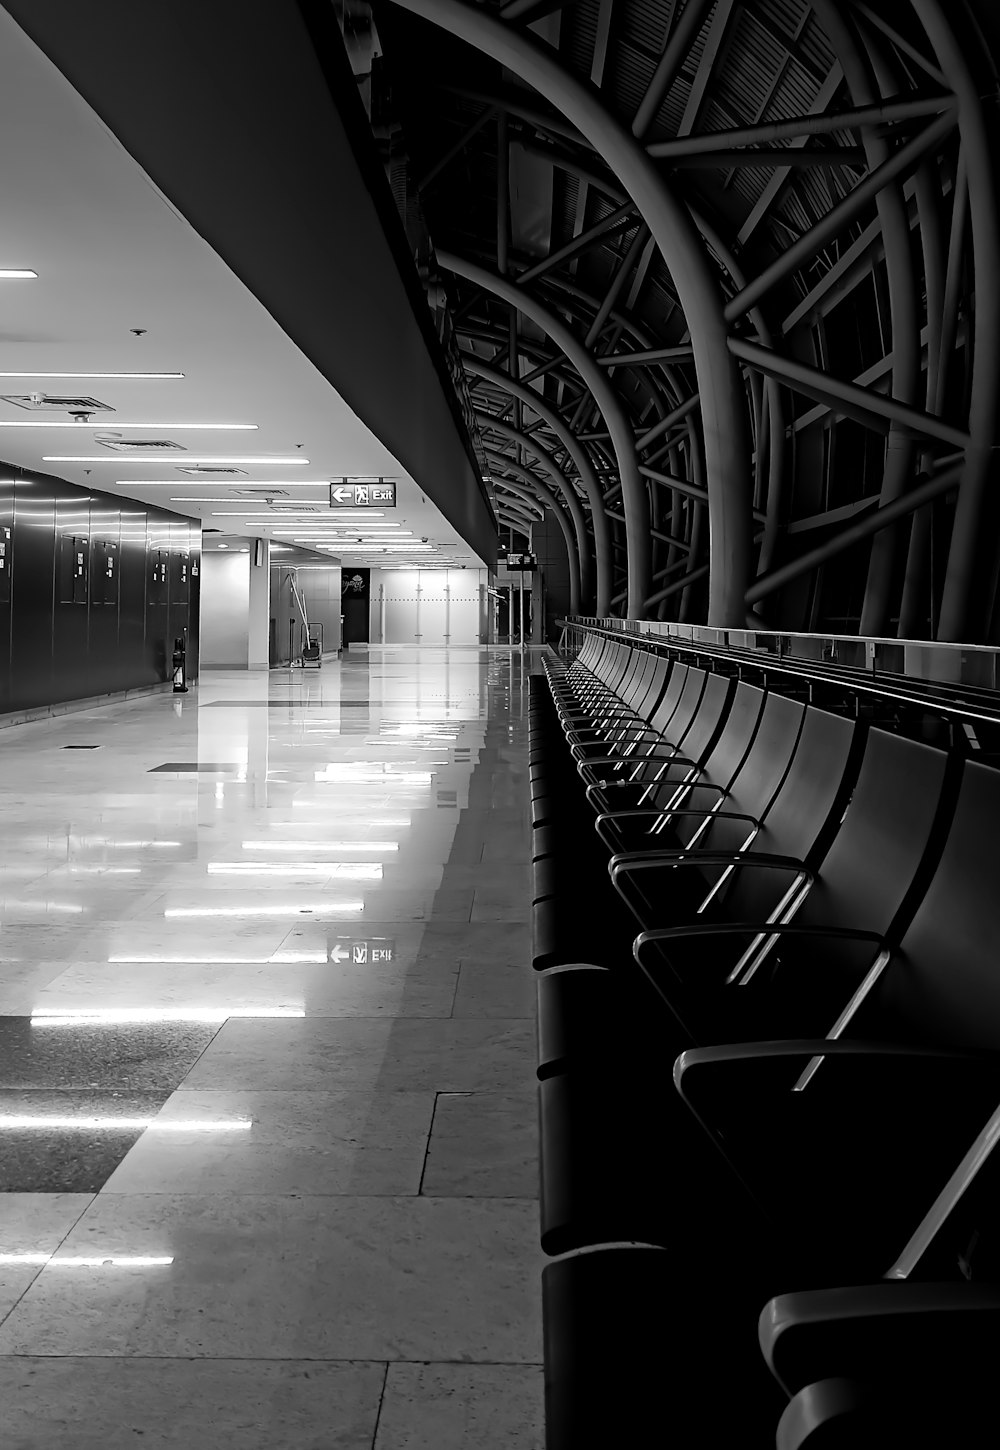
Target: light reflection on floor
267	1048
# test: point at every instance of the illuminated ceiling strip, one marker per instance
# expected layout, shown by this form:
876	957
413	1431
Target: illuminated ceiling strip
30	373
321	845
157	460
106	425
314	912
349	870
13	274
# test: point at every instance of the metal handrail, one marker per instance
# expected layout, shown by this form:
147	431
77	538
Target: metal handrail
932	695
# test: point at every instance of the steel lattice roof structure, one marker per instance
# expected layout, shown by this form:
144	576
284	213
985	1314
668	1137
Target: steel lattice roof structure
723	280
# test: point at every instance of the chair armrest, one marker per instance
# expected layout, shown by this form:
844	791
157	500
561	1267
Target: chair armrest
867	1329
673	758
748	928
627	863
696	1058
578	737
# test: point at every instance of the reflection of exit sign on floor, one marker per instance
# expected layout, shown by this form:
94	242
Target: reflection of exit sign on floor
346	495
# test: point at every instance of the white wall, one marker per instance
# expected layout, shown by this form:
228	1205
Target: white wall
428	606
225	609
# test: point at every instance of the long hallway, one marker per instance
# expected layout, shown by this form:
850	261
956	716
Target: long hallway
267	1067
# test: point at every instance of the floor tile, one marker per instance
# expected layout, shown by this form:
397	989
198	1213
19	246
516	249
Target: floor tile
116	1404
483	1145
462	1407
140	1057
32	1225
336	1074
299	1144
456	1055
265	1278
68	1142
488	990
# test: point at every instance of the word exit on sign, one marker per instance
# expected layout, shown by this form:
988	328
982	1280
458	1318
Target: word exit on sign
371	495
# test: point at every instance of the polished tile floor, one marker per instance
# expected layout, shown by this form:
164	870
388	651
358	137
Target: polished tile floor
267	1123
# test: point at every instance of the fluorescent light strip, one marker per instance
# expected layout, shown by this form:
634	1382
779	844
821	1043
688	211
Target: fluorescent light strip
285	958
347	870
13	274
145	427
303	911
31	374
321	845
114	1261
396	822
158	460
110	1017
178	1125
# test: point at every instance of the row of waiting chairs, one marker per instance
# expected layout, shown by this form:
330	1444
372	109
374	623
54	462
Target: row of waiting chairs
768	939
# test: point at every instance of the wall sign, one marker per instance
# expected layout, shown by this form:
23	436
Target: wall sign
372	495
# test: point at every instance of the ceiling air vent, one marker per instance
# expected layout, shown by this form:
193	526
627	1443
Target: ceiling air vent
54	403
264	493
133	445
209	471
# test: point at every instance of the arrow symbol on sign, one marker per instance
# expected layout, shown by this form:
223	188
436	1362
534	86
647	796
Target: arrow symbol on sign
337	954
342	494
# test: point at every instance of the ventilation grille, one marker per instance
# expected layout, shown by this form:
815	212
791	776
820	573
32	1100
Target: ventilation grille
146	445
54	403
264	493
210	471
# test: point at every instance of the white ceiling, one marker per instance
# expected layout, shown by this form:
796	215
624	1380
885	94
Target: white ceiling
112	254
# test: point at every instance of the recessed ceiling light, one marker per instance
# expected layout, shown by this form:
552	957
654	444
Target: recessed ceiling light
134	458
13	274
28	373
222	546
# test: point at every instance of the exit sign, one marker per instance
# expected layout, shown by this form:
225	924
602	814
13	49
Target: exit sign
379	494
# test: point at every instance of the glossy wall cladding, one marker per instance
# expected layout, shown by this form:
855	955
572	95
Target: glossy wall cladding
93	591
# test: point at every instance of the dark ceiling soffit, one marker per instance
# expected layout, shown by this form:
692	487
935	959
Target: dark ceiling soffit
247	118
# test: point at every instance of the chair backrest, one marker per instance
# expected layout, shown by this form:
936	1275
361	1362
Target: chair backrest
633	686
669	701
707	721
692	689
944	984
759	777
729	750
806	808
656	683
613	663
809	805
870	879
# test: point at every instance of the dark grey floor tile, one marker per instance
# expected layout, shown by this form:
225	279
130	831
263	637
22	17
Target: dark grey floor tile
63	1158
136	1057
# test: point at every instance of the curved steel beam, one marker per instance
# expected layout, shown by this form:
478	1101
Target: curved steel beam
588	476
622	437
904	321
536	488
971	544
562	483
723	405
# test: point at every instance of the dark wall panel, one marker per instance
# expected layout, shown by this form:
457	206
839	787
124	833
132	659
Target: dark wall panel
93	591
